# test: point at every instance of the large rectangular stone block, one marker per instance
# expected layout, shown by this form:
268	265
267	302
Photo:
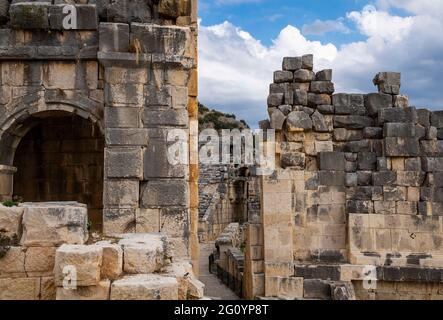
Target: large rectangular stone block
377	101
402	147
164	193
119	220
145	287
10	221
408	115
121	192
122	117
404	130
114	37
353	122
53	224
12	261
112	262
101	291
20	289
83	261
331	161
124	162
430	164
126	137
40	260
27	15
169	117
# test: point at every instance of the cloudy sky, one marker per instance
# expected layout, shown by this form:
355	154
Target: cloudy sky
241	43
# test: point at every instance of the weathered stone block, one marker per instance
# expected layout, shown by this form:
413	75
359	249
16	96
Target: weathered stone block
367	161
143	253
324	75
164	193
101	291
114	37
12	262
52	224
29	15
402	147
430	164
342	134
315	99
391	193
353	122
401	101
283	76
277	119
292	63
408	115
122	117
126	137
275	100
10	221
388	82
437	119
331	161
298	121
85	260
321	123
20	289
124	162
431	148
300	98
40	259
384	178
332	178
293	160
377	101
119	220
145	287
373	133
410	178
121	192
153	168
322	87
404	130
112	261
307	61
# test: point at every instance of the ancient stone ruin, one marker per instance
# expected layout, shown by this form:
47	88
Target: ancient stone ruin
89	91
92	208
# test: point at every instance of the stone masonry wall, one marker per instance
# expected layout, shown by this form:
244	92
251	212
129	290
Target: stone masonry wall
130	67
358	180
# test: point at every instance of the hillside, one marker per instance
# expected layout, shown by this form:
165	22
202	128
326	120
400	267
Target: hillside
210	118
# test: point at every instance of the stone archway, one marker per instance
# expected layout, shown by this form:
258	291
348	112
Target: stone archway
54	154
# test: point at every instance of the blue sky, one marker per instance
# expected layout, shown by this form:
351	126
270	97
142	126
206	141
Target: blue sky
242	42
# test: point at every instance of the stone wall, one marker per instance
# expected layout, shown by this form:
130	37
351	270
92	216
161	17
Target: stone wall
130	68
46	254
357	181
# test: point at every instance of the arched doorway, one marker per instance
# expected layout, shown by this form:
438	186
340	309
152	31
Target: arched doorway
60	158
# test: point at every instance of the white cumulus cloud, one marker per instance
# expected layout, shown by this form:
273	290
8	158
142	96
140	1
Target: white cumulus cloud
236	69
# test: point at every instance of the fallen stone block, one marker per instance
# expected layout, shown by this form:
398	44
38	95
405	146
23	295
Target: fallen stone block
54	223
101	291
143	253
112	262
145	287
79	262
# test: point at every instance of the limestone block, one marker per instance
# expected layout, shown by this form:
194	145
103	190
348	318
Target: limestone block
401	101
298	121
283	76
12	261
119	220
353	122
377	101
292	63
275	100
405	130
321	123
40	259
315	99
145	287
126	95
169	117
143	253
114	37
127	137
307	61
303	76
124	162
180	270
10	221
322	87
277	119
373	133
112	262
195	288
122	117
116	75
388	82
293	160
331	161
47	288
121	192
54	223
20	289
101	291
164	193
406	115
86	261
29	15
402	147
324	75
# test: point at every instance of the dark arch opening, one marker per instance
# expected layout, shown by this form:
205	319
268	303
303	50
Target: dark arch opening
61	159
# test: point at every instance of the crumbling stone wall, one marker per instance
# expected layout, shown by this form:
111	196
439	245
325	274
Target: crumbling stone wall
357	183
129	67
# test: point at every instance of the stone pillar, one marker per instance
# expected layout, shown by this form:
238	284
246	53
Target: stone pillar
6	182
277	219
